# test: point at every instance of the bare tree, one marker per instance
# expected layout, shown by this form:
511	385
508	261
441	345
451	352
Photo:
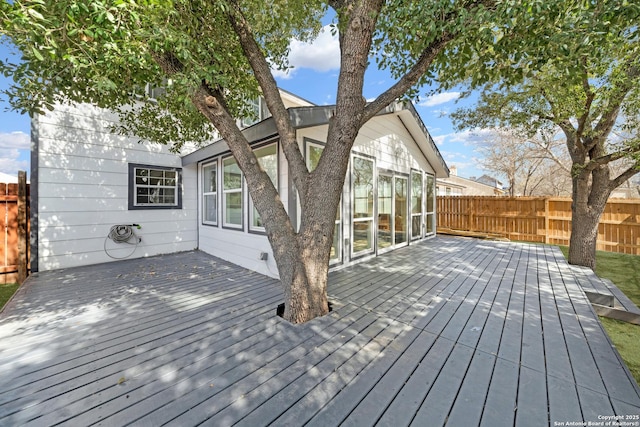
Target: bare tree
533	166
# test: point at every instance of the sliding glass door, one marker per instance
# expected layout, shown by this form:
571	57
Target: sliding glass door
393	213
385	211
362	196
416	204
400	214
430	212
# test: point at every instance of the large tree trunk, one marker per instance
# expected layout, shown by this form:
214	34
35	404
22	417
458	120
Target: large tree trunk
584	235
306	294
590	195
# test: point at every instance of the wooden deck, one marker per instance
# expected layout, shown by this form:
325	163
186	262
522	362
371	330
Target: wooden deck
450	331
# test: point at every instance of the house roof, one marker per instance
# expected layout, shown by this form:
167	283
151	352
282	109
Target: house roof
305	117
9	179
466	183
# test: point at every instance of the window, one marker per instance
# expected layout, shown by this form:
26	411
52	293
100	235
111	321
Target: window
210	194
232	193
257	110
430	215
268	159
416	204
154	187
152	92
362	201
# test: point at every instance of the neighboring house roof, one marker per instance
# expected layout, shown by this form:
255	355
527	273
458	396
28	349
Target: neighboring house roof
488	180
304	117
470	187
8	179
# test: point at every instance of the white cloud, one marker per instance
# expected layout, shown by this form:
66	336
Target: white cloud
460	149
440	98
322	54
10	146
459	160
440	112
282	74
439	140
468	138
15	140
11	165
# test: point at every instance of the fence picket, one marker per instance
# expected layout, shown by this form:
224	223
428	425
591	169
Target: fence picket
14	248
540	219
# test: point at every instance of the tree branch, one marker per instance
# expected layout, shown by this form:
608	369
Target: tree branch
603	160
423	63
624	176
565	124
586	86
609	116
568	129
262	73
549	154
409	79
167	62
211	103
336	4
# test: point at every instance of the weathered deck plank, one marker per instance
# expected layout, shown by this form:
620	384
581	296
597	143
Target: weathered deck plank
452	331
370	394
501	403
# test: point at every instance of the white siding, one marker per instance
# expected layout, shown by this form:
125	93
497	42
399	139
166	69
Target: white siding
83	191
386	139
241	247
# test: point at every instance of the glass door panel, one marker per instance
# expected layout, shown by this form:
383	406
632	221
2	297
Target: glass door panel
430	205
362	202
400	214
416	204
385	211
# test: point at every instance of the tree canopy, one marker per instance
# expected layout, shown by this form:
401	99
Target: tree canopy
102	52
587	86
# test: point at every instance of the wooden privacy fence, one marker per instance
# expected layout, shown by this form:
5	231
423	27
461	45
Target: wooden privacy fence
14	215
540	219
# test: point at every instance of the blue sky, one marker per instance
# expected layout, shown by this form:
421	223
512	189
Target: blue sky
14	129
314	78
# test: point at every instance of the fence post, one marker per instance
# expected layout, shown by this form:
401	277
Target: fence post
22	227
546	220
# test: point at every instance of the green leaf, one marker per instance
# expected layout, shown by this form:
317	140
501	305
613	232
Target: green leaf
37	53
35	14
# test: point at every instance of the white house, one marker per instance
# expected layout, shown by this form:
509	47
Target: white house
86	180
455	185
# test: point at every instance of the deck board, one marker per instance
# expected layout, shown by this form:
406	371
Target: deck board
369	395
407	402
451	331
469	404
501	402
